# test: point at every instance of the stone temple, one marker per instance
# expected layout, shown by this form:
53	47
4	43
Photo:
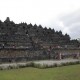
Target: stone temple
30	37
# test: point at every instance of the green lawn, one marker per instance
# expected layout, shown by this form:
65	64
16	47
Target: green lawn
59	73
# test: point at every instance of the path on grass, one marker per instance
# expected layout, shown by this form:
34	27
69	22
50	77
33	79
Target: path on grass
48	62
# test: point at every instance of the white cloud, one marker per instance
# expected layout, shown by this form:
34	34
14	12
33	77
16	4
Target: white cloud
72	24
45	12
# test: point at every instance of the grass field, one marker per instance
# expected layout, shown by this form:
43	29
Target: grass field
71	72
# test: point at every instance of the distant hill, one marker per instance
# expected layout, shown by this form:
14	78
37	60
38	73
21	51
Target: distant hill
25	35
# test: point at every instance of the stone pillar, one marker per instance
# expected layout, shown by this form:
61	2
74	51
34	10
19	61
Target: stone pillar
77	55
59	56
49	53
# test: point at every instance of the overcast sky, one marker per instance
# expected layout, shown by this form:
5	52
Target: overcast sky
58	14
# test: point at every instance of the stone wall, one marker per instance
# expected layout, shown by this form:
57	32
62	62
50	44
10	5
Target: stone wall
14	55
11	55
